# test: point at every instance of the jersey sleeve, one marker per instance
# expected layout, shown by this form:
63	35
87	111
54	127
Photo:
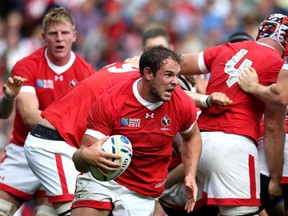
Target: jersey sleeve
207	57
24	69
189	115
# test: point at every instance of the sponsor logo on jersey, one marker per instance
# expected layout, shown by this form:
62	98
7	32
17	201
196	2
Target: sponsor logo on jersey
44	83
58	78
166	121
151	115
130	122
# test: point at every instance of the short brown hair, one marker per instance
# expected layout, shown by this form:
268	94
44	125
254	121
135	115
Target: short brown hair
57	15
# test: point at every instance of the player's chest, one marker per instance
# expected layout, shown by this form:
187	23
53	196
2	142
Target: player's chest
161	121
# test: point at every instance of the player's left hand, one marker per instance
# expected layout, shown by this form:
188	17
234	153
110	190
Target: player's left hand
191	190
13	85
275	189
248	79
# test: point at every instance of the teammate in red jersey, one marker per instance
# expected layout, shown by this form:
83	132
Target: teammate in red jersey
10	89
228	166
149	111
54	140
173	198
273	205
50	71
277	92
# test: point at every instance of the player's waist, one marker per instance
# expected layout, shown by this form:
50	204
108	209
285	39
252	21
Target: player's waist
43	132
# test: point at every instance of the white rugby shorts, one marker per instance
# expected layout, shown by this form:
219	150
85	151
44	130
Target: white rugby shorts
228	169
110	195
51	161
16	176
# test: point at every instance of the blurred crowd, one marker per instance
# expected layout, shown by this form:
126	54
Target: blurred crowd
110	30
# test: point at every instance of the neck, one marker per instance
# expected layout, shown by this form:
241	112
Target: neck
272	43
143	90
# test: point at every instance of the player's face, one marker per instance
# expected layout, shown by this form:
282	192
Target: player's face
59	38
165	81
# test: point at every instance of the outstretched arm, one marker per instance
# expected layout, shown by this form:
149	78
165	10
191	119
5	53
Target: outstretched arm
275	93
206	101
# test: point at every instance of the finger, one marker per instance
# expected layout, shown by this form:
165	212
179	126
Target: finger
102	141
190	203
102	171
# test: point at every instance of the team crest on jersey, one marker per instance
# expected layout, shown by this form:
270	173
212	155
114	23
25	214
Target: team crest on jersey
130	122
44	83
166	121
73	83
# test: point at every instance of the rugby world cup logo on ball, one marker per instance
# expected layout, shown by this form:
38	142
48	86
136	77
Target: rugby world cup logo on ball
116	144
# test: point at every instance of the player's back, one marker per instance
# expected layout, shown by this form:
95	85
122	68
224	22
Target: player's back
69	113
225	62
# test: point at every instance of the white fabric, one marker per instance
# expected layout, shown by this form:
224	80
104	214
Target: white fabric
224	169
13	167
126	202
7	208
262	158
43	157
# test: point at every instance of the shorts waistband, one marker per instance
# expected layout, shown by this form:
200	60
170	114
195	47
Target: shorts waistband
43	132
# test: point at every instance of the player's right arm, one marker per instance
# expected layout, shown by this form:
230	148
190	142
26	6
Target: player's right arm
206	101
274	141
189	64
27	105
90	153
275	93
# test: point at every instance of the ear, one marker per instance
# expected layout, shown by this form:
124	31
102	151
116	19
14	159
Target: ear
147	73
75	34
43	37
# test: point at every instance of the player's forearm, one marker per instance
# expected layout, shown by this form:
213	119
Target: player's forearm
175	176
80	164
274	141
274	152
196	98
190	156
270	93
6	107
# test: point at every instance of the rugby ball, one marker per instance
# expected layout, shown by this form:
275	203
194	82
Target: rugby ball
117	144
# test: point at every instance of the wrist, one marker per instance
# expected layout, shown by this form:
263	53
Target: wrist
204	100
252	88
7	97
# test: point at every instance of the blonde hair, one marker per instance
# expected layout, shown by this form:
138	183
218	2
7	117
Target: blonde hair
57	15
